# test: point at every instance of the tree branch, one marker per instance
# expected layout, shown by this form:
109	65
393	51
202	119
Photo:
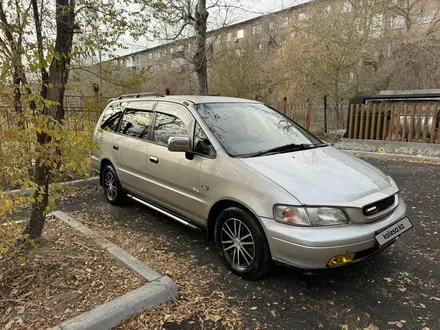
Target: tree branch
43	70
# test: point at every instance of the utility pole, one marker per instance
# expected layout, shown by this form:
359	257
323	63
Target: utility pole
100	71
325	114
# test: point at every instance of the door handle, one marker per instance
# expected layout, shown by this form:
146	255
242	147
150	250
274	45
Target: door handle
116	147
154	160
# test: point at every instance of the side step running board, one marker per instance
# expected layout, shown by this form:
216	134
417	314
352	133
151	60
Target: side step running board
172	216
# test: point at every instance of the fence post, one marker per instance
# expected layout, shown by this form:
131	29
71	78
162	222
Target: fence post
308	108
341	114
284	104
325	114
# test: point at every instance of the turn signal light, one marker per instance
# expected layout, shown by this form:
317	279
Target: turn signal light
341	260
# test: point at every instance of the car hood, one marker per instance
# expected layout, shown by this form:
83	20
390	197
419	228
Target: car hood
321	176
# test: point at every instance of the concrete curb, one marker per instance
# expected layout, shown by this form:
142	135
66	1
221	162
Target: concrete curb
392	144
76	183
395	156
159	289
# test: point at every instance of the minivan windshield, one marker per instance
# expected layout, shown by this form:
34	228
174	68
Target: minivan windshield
254	129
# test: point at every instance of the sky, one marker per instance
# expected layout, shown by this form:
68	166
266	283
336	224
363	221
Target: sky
250	9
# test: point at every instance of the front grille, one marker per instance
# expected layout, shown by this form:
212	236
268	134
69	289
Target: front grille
379	206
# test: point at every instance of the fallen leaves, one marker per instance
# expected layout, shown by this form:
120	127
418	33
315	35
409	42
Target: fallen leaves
201	296
396	323
64	275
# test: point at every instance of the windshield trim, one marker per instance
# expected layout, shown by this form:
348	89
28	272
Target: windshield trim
298	126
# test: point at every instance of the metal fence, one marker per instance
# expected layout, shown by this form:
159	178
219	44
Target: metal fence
315	117
82	112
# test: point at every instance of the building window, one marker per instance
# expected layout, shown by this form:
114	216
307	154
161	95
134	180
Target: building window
229	36
171	50
428	16
259	48
303	17
271	26
376	24
239	51
286	22
398	22
347	7
352	76
240	34
150	56
256	29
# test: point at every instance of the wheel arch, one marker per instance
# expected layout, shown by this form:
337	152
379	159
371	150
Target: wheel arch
104	163
221	205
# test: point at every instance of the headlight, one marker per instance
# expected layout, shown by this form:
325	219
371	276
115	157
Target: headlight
309	216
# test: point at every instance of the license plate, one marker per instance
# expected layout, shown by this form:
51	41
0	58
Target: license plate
393	231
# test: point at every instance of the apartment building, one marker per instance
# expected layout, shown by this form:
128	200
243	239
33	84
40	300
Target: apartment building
267	32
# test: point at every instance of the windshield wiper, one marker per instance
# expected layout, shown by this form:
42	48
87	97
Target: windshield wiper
285	148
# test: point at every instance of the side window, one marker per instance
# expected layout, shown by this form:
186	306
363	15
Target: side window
136	123
166	126
111	116
202	145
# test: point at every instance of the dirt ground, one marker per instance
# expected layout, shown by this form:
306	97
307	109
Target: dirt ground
64	275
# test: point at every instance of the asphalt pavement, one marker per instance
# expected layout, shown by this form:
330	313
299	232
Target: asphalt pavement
402	284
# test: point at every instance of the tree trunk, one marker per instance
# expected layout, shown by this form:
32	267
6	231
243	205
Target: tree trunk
58	76
200	58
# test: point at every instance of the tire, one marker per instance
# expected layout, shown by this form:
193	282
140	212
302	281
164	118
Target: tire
250	257
112	187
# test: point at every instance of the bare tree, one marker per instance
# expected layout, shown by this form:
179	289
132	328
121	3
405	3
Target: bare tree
241	72
186	24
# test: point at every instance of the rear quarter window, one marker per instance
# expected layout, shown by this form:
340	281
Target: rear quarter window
111	117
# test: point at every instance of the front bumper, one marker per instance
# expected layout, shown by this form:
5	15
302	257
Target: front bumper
313	247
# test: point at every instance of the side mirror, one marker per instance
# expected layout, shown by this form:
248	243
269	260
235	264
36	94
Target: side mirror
179	144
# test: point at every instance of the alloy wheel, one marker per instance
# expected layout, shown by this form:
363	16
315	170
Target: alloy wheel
111	189
237	243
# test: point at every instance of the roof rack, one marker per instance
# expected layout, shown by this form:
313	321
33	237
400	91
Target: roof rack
130	96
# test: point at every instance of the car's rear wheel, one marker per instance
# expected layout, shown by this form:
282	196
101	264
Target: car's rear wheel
242	243
112	187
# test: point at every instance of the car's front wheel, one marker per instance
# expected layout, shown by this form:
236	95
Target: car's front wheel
112	187
242	243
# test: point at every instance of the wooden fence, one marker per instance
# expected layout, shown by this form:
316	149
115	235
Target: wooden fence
408	122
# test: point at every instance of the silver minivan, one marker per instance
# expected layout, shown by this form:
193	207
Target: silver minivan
261	186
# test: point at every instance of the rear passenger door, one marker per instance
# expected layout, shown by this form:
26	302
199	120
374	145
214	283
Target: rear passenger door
130	146
104	133
175	179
